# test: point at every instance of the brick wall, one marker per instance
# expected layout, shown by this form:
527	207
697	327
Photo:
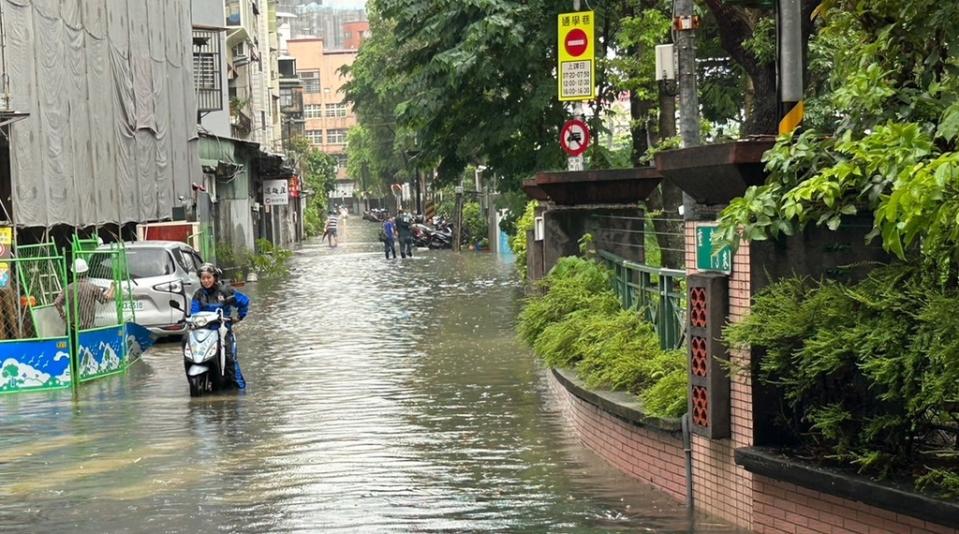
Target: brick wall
783	507
653	456
720	487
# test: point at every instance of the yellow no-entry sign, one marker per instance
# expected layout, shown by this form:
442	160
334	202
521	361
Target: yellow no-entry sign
577	57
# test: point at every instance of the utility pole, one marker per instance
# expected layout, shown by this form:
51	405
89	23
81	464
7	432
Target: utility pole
419	200
790	65
684	26
458	219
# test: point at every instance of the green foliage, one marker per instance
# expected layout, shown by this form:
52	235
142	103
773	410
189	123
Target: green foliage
941	480
269	260
762	43
578	322
318	171
439	69
869	373
667	397
474	222
886	118
518	242
573	284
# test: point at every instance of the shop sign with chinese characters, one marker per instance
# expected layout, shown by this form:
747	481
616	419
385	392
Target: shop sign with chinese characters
577	58
276	193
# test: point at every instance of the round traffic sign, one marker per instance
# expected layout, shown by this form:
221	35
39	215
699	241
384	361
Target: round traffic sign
576	42
574	137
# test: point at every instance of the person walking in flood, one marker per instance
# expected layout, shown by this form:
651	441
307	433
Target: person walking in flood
331	223
388	234
82	297
404	230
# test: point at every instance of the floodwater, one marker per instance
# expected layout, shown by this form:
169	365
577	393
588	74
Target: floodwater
383	397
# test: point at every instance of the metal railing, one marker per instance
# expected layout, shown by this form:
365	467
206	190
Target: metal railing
658	294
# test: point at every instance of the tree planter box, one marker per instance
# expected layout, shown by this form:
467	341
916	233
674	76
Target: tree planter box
608	186
774	465
715	174
623	405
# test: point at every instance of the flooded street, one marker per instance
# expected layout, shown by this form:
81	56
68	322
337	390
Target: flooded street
384	396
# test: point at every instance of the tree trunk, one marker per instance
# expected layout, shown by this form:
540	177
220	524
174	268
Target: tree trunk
639	111
763	117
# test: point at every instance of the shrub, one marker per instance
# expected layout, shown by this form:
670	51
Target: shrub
869	372
518	242
270	260
578	322
474	222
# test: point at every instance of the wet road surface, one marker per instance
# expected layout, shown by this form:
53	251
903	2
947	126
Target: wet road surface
384	396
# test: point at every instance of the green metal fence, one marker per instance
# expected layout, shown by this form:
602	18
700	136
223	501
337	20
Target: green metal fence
658	294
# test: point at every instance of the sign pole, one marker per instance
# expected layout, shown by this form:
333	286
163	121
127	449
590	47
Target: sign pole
577	109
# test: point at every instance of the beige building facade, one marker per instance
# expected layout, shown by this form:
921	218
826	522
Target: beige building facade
327	116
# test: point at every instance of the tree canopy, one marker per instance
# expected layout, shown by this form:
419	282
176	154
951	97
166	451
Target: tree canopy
882	134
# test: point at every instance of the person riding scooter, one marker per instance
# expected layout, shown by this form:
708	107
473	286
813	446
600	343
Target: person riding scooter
213	295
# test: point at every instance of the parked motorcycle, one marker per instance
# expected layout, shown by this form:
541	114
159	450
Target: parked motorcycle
422	235
205	357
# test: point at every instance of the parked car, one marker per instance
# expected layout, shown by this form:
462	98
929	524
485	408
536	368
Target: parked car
159	271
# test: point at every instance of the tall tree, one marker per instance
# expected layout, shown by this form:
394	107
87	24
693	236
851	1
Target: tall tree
746	34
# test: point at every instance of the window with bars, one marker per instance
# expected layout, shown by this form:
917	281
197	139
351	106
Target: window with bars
312	111
336	137
206	70
336	110
311	81
340	161
314	136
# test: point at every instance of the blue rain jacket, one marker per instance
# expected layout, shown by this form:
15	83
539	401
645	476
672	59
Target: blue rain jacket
219	296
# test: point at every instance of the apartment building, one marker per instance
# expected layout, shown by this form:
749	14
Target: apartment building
327	117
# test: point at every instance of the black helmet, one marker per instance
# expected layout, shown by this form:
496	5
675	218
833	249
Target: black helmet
210	268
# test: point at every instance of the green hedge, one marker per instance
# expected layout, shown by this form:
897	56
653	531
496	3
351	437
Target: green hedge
578	322
869	372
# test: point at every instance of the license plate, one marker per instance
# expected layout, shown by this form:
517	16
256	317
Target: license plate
136	305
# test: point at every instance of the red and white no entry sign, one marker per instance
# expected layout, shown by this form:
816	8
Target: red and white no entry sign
576	42
574	137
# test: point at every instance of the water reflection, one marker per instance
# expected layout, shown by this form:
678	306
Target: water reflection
384	396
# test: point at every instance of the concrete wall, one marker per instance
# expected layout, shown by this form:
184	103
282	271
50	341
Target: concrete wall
616	230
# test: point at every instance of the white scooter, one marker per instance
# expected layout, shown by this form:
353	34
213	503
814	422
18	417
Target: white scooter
205	352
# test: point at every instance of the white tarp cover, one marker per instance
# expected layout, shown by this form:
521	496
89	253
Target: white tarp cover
108	84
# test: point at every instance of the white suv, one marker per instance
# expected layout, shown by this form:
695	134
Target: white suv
159	271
